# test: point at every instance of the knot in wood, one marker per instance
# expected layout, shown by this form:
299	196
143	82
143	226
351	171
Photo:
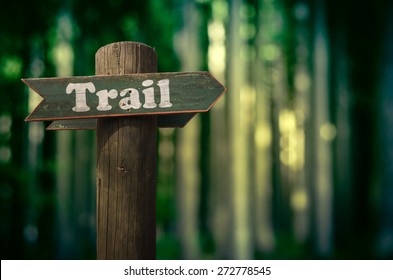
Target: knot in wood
122	168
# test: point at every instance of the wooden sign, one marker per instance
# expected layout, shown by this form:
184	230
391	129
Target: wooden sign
125	95
163	121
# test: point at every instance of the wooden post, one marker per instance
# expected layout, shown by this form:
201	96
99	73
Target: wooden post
126	165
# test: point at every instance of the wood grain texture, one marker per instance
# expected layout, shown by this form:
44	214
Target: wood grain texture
79	124
163	121
126	165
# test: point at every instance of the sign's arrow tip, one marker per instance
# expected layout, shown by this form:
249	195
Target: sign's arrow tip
218	87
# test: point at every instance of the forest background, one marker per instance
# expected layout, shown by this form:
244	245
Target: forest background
294	162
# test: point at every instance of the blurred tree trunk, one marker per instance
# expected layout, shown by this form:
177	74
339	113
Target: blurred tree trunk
324	133
385	238
238	98
300	197
343	198
274	123
364	38
75	163
220	201
66	237
187	152
262	198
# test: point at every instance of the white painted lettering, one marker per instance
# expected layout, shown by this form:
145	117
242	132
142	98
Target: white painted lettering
149	95
80	95
131	98
132	101
164	91
103	96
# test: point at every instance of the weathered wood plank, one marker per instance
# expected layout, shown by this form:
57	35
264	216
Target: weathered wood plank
163	121
174	120
121	95
77	124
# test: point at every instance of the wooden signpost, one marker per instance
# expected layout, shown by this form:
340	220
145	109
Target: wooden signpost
122	95
125	102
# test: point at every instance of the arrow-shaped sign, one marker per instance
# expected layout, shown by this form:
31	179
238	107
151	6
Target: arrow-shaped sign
124	95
